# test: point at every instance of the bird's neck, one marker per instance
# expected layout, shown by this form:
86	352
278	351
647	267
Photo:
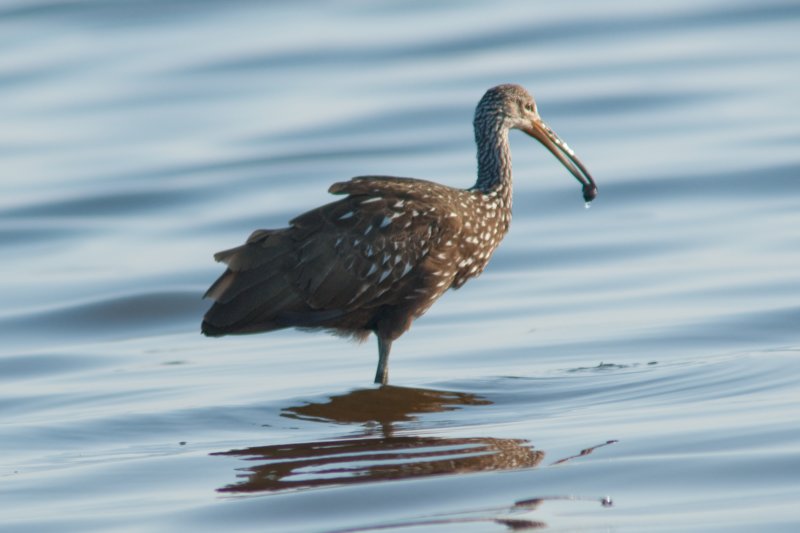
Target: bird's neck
494	160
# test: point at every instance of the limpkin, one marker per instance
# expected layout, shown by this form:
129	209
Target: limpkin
378	258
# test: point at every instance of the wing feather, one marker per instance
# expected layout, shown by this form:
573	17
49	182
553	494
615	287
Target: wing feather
368	250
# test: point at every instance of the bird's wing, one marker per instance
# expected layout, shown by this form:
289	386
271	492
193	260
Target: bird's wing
386	185
364	250
253	284
357	253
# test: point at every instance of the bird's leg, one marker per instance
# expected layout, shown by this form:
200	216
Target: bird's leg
384	345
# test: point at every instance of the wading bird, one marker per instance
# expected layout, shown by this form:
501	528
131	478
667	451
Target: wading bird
378	258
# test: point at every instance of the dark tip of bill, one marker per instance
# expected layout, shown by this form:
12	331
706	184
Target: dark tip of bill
589	192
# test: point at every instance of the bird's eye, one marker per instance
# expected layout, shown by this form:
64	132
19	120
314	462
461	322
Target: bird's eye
529	107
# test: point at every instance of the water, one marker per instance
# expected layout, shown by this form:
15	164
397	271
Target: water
645	350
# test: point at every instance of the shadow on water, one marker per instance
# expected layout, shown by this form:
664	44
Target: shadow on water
384	406
383	451
363	460
380	453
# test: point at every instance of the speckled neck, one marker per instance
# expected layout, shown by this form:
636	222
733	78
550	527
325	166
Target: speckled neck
494	157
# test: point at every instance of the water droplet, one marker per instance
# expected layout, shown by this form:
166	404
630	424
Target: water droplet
587	205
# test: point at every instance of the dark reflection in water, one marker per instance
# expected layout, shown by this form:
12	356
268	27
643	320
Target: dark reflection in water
383	406
379	454
361	460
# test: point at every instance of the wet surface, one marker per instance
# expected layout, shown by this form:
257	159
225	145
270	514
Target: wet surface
644	352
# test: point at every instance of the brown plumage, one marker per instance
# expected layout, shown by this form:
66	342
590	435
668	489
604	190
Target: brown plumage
378	258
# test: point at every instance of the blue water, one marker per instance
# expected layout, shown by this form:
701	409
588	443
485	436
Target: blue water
646	350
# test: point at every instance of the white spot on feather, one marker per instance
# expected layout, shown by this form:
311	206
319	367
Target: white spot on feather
359	292
349	214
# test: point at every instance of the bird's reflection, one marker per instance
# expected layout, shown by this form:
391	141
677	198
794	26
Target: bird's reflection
382	453
379	409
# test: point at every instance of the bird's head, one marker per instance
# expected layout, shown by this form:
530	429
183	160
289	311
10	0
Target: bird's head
511	106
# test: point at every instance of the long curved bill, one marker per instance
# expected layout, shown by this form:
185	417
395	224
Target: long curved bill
542	133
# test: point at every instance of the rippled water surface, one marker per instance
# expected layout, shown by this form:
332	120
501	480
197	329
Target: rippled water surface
631	367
